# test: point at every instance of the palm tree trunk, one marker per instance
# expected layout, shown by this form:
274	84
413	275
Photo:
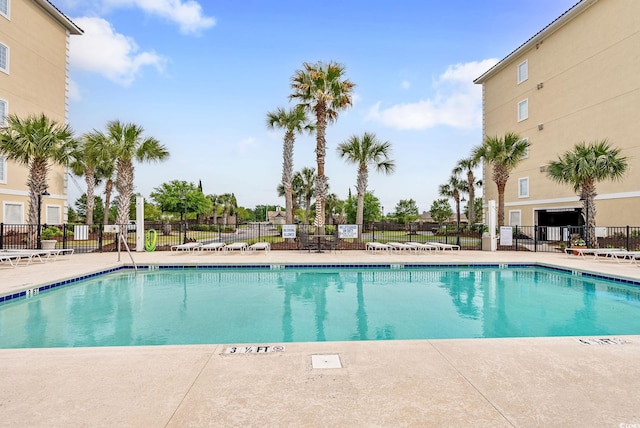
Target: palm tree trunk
37	183
472	197
589	208
501	186
321	180
287	175
362	188
90	179
108	188
124	186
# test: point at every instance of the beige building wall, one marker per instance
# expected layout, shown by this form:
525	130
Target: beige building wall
583	85
36	35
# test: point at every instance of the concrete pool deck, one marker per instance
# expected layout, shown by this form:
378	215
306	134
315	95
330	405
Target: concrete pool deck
560	381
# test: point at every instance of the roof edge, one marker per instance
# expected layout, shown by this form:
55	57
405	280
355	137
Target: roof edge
551	28
60	17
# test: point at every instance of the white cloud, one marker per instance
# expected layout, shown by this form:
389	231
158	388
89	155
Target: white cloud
457	102
187	14
246	145
102	50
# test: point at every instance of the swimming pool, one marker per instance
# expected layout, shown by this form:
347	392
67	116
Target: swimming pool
284	303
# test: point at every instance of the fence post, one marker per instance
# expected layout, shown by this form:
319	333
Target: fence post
64	236
627	247
100	229
535	238
1	236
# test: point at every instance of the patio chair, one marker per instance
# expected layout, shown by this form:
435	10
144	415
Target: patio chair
441	246
422	247
12	258
333	242
260	246
400	247
239	246
305	242
212	246
189	246
376	247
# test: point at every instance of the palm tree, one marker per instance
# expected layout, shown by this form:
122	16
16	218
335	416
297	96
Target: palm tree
294	122
452	189
582	168
214	203
36	142
229	205
468	165
364	151
503	154
128	145
304	181
322	90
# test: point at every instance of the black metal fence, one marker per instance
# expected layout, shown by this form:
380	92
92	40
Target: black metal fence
160	236
553	239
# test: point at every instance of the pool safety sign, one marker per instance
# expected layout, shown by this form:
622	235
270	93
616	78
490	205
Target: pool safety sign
254	349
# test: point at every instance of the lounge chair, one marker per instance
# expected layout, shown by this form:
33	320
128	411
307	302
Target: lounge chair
12	258
189	246
212	246
375	247
260	246
443	247
240	246
423	247
620	256
399	246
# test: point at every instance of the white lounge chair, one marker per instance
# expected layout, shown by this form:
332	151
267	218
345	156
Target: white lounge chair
212	246
375	247
260	246
620	256
12	258
240	246
399	246
423	247
443	247
189	246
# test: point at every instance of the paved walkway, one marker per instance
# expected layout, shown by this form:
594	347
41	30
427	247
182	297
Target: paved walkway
478	382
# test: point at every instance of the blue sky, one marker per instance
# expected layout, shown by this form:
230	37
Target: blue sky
200	76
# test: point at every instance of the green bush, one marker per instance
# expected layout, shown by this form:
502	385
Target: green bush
50	232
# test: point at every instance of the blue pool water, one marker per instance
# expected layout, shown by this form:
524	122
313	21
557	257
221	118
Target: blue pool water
196	306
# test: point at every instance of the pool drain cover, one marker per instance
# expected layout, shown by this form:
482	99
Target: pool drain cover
326	362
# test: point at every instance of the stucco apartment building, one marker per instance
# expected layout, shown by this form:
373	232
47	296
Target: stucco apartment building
34	42
578	79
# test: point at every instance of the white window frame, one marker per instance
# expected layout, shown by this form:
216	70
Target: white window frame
4	212
523	71
49	218
3	170
4	111
523	181
513	221
524	116
6	54
6	13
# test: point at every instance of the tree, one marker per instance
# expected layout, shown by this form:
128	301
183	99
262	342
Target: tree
303	184
452	189
178	196
441	210
468	165
322	90
128	145
503	154
84	163
406	211
363	152
229	205
293	121
334	208
371	208
82	209
38	143
583	167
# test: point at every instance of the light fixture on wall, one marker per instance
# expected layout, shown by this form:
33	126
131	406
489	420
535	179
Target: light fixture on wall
540	85
540	126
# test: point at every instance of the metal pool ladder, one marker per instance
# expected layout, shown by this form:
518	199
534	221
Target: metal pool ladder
124	241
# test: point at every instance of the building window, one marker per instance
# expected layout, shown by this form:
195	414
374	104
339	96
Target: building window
3	112
523	110
523	187
53	214
13	213
4	8
3	170
523	71
4	58
514	218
